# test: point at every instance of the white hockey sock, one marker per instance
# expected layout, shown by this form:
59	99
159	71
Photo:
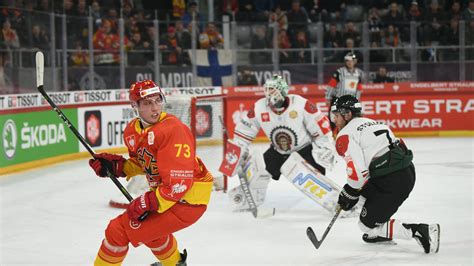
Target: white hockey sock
393	229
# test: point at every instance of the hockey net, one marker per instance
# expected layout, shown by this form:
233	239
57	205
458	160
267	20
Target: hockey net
203	115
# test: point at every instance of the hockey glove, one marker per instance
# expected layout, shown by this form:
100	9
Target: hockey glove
348	197
104	161
145	203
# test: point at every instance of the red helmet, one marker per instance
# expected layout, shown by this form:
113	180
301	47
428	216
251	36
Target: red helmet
143	89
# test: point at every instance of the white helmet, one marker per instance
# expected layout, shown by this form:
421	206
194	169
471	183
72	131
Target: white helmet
276	90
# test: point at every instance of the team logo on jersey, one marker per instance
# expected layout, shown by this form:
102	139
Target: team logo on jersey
151	138
131	142
310	107
265	117
293	114
135	225
178	188
352	84
363	213
284	138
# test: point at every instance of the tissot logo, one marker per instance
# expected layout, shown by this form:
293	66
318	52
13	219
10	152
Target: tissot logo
9	137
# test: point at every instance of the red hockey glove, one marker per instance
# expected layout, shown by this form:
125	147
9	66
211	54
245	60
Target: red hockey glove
348	197
145	203
104	161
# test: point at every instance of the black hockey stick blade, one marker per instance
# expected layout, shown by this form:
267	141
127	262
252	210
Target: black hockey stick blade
312	236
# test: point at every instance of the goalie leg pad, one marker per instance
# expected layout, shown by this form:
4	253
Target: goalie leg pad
258	179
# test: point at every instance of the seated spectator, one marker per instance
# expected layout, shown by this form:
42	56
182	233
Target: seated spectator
171	48
39	39
451	37
297	19
179	7
193	13
246	78
263	8
9	36
414	12
303	56
246	12
260	41
107	44
394	16
390	37
381	76
468	14
184	37
137	53
333	37
352	33
79	57
284	43
279	17
315	11
211	38
456	11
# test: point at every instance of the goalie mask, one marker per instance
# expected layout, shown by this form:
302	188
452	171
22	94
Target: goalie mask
275	90
147	99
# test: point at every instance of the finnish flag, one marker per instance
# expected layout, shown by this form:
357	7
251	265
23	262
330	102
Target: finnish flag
214	67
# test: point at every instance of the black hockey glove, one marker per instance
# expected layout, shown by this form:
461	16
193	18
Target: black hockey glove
348	197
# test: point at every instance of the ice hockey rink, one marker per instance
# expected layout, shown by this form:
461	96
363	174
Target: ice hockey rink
56	215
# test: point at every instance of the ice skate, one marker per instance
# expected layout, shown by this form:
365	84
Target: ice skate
182	261
426	235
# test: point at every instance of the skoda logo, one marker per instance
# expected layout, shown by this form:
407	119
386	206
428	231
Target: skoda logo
9	137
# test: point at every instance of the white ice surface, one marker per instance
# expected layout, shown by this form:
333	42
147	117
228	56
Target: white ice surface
57	215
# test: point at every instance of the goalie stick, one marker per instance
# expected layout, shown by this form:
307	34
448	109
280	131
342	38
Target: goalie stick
244	183
39	85
312	236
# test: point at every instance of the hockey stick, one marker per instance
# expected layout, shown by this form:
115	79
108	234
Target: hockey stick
39	84
244	183
312	236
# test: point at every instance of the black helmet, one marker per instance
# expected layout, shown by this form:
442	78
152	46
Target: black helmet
350	56
347	103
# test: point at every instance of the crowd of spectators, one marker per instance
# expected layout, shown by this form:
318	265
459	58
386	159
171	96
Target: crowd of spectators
388	24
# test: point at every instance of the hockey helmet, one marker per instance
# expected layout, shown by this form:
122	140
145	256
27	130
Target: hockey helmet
143	89
347	103
350	57
276	89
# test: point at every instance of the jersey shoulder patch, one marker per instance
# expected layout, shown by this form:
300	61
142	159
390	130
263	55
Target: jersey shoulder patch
342	143
310	107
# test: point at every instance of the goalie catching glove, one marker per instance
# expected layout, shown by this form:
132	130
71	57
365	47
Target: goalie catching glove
145	203
103	161
348	197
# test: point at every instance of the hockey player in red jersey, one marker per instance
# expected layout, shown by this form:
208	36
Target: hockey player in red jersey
161	147
379	168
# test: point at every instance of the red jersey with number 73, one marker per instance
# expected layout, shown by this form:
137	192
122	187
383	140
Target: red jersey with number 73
166	153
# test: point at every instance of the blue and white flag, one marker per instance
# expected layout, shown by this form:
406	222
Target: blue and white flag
214	67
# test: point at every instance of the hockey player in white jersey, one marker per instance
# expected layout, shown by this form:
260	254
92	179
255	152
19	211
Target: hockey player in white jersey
379	168
294	125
